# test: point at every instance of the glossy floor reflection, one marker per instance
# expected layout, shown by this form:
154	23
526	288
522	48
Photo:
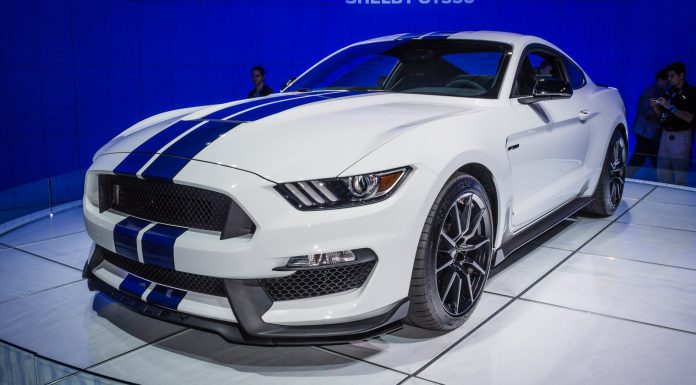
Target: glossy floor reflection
594	300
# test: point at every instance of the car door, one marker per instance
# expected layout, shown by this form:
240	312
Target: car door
548	145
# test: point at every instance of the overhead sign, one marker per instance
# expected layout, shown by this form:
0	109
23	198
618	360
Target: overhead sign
408	2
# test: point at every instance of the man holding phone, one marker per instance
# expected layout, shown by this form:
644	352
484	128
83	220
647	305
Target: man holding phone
677	113
646	126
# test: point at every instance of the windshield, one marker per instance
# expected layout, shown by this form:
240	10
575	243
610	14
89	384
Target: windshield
441	67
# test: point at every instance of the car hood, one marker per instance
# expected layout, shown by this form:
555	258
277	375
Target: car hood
285	138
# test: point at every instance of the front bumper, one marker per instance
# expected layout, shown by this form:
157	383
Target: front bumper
249	301
391	229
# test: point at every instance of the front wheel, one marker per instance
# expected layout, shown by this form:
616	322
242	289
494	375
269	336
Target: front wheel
610	186
453	257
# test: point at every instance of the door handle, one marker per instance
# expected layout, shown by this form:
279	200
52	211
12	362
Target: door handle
583	115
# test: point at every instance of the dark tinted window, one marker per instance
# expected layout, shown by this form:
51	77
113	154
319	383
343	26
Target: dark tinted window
535	65
576	77
441	67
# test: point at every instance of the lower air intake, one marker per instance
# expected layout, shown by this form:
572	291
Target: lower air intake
176	279
318	281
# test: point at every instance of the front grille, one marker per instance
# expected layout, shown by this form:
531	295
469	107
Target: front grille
173	204
318	281
176	279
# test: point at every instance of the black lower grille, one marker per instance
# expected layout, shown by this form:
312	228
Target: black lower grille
173	204
318	281
176	279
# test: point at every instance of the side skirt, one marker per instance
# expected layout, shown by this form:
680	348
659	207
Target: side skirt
529	234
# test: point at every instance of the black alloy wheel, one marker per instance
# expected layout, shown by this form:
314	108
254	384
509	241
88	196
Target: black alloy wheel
610	186
462	254
617	171
454	256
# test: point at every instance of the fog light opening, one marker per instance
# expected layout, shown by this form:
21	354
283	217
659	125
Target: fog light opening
323	259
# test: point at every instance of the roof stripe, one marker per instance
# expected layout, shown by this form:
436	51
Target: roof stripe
437	35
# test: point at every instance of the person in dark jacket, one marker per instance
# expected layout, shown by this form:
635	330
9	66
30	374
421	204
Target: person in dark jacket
646	125
677	112
258	76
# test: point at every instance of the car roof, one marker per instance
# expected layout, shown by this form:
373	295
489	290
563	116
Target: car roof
513	39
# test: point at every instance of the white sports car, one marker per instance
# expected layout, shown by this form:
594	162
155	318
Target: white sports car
379	187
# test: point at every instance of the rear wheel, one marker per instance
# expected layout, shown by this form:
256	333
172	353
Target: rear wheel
453	257
610	186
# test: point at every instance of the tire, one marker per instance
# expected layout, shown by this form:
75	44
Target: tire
607	195
441	296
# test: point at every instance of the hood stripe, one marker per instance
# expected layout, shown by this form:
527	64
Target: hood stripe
272	109
226	112
176	157
172	160
142	154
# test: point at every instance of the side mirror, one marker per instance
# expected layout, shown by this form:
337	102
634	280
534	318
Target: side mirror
548	89
290	81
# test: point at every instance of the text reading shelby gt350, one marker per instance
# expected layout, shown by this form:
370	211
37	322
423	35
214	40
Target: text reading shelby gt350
379	187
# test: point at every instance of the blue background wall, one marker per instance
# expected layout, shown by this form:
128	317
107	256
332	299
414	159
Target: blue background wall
74	73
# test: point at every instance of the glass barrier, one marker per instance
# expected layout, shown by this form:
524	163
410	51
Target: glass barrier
38	198
19	366
655	168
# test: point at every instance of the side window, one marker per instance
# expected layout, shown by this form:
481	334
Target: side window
576	77
536	65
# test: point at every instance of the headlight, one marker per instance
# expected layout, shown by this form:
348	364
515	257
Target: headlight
342	192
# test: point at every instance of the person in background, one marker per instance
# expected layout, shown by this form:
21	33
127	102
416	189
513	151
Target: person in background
677	112
258	76
545	69
646	125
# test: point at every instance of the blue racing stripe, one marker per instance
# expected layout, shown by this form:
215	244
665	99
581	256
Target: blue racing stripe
272	109
172	160
165	168
142	154
225	112
134	285
166	296
126	237
438	35
409	36
158	245
175	158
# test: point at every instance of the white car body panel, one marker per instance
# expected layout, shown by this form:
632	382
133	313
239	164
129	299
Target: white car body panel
556	162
